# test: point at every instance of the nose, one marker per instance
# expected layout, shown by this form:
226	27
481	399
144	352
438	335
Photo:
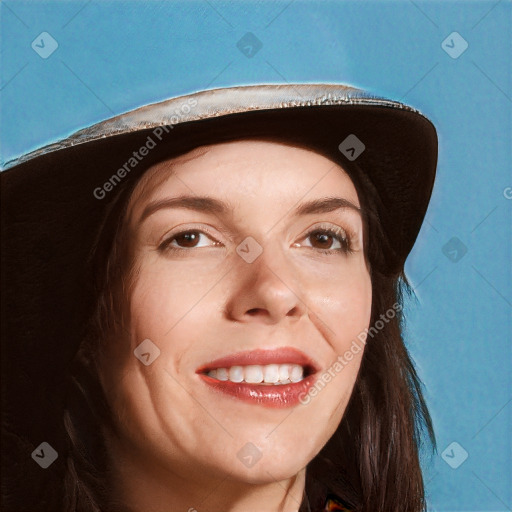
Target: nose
266	290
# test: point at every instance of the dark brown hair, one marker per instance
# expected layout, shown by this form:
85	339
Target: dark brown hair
372	460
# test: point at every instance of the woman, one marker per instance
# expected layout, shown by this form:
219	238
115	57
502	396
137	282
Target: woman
239	315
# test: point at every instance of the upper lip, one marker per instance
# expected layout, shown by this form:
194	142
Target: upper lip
281	355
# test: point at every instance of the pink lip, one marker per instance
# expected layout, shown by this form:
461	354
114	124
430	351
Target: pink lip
273	396
283	355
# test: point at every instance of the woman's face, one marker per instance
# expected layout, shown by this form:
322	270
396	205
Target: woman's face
245	272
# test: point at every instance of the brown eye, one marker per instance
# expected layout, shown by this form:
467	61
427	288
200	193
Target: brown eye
190	239
323	239
187	239
330	241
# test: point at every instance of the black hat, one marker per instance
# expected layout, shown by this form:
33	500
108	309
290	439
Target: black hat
54	199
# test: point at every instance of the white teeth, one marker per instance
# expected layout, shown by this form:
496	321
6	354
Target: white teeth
222	374
236	374
257	374
271	373
283	372
296	373
253	374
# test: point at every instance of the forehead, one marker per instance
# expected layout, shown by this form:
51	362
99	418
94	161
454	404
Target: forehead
272	170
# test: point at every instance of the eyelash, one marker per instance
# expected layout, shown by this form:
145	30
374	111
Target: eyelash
338	234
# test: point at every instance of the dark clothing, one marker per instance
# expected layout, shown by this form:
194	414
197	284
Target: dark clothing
332	504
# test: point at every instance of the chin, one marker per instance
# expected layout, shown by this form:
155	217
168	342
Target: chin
268	472
265	460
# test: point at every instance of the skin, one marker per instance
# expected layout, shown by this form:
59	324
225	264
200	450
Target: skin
179	443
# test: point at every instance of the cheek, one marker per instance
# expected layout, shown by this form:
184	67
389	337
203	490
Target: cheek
167	295
344	306
342	311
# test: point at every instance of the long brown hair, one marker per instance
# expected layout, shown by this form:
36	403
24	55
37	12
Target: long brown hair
372	461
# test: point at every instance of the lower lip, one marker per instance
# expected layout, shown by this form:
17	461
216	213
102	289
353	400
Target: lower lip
277	397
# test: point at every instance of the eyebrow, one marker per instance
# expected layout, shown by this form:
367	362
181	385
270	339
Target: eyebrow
211	205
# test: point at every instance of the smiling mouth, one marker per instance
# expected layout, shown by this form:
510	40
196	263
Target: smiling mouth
272	378
270	374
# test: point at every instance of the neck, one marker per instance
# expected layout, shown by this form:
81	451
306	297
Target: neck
139	485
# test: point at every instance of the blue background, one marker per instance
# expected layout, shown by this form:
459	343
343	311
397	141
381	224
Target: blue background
115	56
